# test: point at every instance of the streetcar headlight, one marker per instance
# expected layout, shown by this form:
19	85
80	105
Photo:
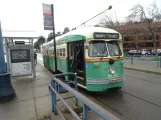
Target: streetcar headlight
112	70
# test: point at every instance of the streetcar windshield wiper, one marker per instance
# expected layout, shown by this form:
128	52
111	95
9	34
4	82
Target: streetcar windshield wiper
119	54
103	53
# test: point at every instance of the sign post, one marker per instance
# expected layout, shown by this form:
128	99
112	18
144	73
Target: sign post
48	14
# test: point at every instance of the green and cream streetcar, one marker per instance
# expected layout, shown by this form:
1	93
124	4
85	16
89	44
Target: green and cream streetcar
94	53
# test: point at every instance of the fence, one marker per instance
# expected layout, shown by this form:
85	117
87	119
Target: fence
56	87
145	61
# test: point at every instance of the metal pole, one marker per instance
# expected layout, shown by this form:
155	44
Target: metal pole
2	60
157	62
33	58
52	9
132	60
160	61
7	56
85	112
6	90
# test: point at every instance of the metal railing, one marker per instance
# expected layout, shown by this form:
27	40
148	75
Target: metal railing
57	86
157	64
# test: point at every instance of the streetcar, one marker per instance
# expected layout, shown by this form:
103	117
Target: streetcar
95	54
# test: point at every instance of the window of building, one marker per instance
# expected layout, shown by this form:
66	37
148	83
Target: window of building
140	37
157	37
145	37
158	44
158	29
129	38
149	44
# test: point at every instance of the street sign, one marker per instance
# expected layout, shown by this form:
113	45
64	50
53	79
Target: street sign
47	16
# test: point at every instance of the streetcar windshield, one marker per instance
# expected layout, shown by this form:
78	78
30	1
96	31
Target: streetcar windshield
114	49
97	49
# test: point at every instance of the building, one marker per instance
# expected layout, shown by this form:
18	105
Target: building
136	36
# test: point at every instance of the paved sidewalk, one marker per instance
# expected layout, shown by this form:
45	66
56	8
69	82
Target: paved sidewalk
142	65
33	98
34	101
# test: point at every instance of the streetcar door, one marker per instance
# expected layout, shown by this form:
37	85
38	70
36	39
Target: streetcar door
80	62
76	60
71	58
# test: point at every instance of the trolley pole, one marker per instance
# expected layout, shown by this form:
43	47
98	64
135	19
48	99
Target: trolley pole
52	9
109	8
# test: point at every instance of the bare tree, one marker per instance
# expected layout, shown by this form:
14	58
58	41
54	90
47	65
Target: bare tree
149	18
109	20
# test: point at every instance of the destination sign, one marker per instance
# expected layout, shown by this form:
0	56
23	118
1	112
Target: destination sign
106	35
18	55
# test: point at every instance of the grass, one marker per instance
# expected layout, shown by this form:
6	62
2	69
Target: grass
44	117
77	109
156	59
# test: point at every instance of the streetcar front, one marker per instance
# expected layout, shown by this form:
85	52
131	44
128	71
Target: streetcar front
104	62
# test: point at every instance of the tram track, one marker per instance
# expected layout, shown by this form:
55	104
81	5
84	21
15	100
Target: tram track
101	101
140	98
123	116
127	103
143	79
103	104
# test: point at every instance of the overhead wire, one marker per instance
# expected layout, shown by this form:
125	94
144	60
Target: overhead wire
99	14
117	2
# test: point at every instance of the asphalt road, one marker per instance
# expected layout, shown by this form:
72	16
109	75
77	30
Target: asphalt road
139	99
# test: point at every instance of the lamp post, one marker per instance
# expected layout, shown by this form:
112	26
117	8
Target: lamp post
109	8
6	90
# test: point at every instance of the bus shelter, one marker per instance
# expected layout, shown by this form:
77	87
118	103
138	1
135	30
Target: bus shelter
19	50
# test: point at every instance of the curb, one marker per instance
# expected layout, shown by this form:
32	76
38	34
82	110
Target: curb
146	71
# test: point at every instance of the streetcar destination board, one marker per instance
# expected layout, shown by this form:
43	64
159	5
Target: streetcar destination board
20	55
106	35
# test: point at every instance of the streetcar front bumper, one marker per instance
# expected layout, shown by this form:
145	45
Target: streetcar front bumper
104	84
104	81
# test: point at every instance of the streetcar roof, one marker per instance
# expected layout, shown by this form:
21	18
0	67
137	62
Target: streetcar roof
80	34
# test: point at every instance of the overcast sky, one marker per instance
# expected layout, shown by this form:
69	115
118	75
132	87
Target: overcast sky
27	15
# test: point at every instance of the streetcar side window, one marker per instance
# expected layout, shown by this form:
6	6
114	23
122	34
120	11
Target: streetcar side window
57	52
60	52
49	52
63	51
